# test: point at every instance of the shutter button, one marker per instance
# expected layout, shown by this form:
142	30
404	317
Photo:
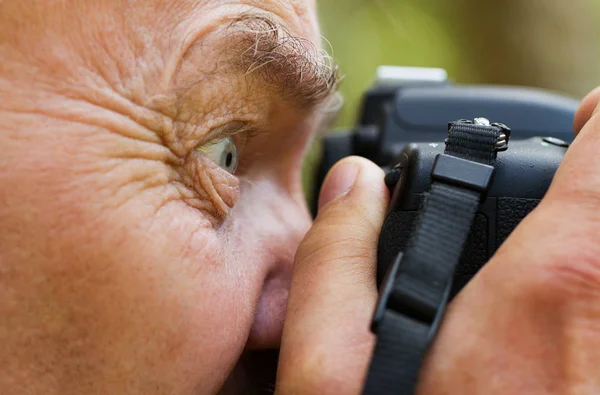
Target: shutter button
555	141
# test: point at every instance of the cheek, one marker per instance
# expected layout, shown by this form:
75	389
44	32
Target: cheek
160	296
135	292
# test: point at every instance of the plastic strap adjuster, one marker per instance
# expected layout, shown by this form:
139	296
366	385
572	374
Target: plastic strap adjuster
462	173
403	303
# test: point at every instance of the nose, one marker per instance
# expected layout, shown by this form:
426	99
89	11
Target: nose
275	221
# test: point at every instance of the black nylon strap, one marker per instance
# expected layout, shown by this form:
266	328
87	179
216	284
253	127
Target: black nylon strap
415	300
397	336
474	142
442	231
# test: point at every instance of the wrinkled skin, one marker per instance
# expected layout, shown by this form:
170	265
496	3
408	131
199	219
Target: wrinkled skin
128	263
132	264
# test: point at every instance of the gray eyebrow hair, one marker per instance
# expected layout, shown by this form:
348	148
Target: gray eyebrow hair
292	65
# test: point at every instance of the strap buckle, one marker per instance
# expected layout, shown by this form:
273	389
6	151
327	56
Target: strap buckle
462	173
406	304
387	286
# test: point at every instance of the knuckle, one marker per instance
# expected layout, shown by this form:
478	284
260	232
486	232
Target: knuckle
324	248
563	248
567	278
575	276
340	239
347	261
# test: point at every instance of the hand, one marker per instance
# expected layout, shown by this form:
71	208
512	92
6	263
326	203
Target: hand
528	323
326	343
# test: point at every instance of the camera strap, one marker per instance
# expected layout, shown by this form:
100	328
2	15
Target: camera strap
414	293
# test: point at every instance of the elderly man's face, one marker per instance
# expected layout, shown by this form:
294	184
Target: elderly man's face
132	260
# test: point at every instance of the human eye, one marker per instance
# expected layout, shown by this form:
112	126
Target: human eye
225	145
223	152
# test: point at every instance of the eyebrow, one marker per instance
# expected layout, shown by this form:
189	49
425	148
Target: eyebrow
291	65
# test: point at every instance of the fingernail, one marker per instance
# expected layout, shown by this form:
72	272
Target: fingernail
338	182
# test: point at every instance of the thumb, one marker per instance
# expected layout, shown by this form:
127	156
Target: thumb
326	341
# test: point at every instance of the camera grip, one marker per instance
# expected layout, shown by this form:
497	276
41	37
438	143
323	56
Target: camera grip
511	211
494	222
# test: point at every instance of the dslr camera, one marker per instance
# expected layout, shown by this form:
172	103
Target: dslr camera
459	185
402	125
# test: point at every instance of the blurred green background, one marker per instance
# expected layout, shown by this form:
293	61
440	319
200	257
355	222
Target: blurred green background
550	44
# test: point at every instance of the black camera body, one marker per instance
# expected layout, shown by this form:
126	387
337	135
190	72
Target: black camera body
522	176
403	124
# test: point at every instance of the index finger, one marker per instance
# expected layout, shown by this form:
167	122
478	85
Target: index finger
589	105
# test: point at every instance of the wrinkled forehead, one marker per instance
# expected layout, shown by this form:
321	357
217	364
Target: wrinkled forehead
297	16
137	45
43	28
